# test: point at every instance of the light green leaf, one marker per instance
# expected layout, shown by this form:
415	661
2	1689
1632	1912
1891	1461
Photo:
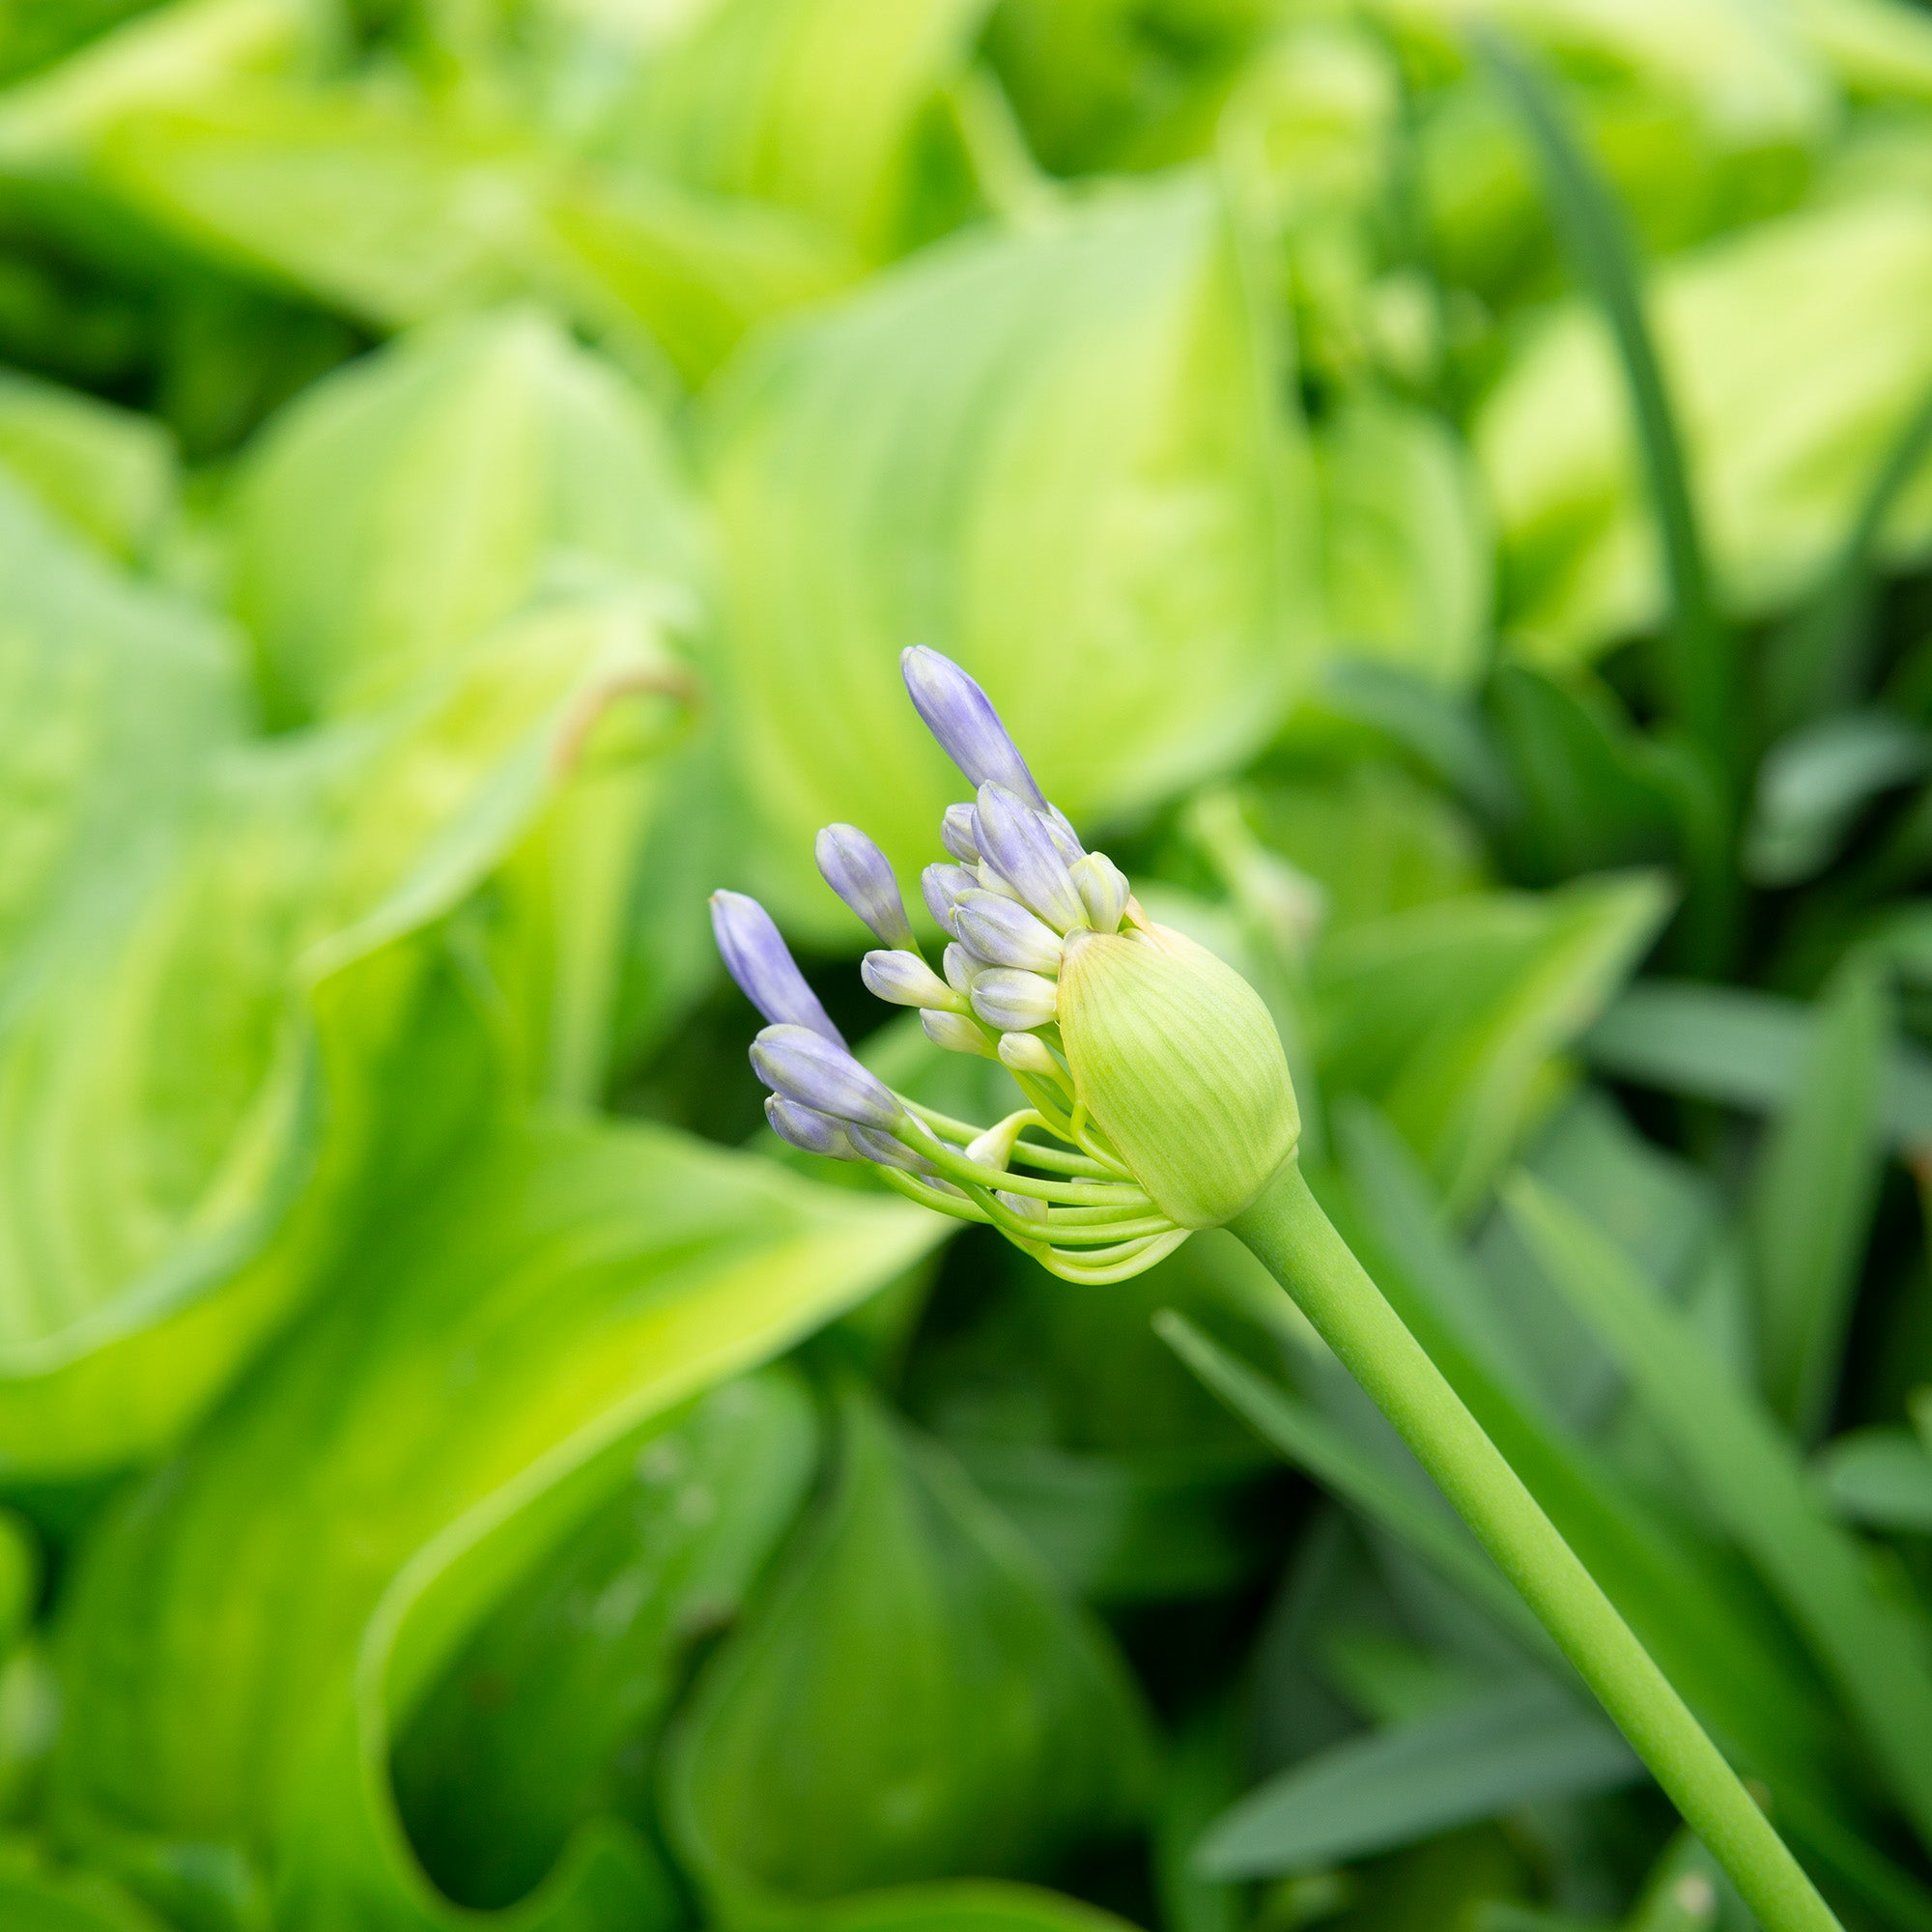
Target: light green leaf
1106	84
213	977
1451	1017
485	475
738	106
1055	455
106	471
396	214
1813	1196
1516	1746
404	507
1872	1646
1793	354
54	124
1406	543
912	1700
255	1622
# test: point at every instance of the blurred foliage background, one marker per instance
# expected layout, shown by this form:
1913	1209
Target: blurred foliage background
1439	487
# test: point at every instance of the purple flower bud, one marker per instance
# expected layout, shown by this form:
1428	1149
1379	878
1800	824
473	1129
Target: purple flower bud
1065	840
961	717
956	1034
757	959
814	1133
905	979
888	1153
862	875
1014	1001
1004	932
962	966
1014	840
807	1069
955	834
940	885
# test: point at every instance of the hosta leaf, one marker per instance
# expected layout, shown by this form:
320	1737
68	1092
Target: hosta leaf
1107	83
1518	1744
737	106
1405	541
406	506
551	1715
965	1905
480	476
254	1623
217	981
54	124
106	471
1054	455
1451	1017
912	1700
1794	357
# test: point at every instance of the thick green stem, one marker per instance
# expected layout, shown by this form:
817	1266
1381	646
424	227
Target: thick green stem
1288	1232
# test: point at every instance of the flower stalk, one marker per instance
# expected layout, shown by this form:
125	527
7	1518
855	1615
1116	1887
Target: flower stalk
1157	1101
1286	1230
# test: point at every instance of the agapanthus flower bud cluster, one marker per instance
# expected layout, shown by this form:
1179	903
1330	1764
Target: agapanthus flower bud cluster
1153	1067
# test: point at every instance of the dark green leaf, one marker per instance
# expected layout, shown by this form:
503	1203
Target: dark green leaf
1876	1649
912	1700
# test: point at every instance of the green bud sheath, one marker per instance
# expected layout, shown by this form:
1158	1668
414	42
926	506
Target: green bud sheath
1177	1059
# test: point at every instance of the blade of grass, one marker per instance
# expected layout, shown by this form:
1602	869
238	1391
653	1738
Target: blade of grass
1871	1645
1743	1048
1302	1435
1516	1746
1812	1199
1699	674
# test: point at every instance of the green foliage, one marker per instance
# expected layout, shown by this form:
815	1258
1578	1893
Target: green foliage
1441	491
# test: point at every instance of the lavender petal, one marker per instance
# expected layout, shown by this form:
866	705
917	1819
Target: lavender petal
808	1129
961	717
939	886
757	959
1014	840
806	1068
962	966
886	1152
955	834
862	875
1006	933
1014	1001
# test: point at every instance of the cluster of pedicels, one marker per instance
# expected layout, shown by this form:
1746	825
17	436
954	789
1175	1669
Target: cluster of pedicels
1153	1069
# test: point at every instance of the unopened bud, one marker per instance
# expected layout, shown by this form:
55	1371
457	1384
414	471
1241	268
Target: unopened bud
1175	1058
